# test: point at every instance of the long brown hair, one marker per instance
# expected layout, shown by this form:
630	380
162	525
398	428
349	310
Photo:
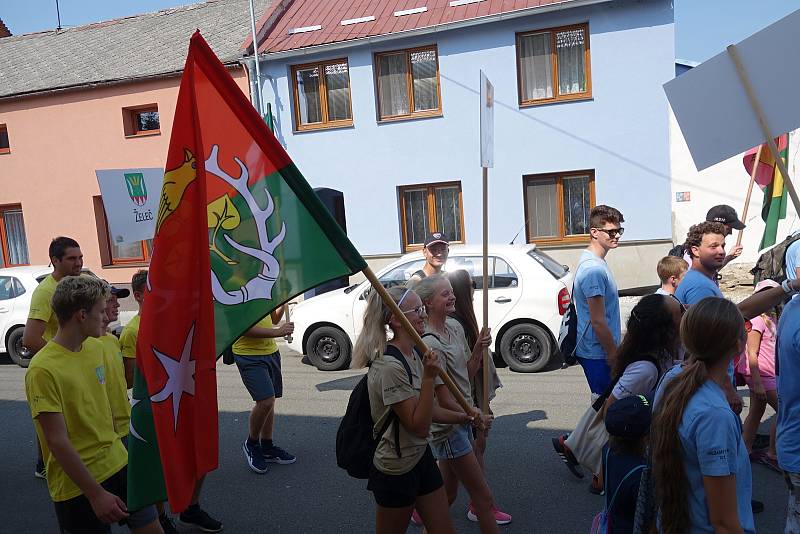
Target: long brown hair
465	311
711	331
650	330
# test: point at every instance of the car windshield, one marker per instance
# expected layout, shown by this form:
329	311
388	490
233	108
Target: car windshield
552	266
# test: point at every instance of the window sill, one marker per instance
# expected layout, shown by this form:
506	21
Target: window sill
560	100
148	133
125	265
5	151
418	247
562	241
323	126
413	116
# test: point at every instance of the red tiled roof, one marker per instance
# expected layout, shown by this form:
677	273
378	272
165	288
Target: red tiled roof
286	15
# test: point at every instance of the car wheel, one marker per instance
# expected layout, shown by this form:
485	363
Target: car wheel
328	348
16	350
526	348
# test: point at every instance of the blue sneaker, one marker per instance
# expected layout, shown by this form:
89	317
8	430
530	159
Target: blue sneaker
255	457
277	455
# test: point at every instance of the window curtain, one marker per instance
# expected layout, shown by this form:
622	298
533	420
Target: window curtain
337	83
536	67
542	208
448	212
308	96
15	236
576	205
393	85
423	72
570	47
416	215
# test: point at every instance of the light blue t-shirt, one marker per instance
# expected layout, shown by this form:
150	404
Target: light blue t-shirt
788	349
593	278
711	437
792	260
696	286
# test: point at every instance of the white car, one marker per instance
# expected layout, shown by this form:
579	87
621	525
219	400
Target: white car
16	288
529	293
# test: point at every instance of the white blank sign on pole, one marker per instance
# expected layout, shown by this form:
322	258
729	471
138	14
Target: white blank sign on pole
487	122
711	105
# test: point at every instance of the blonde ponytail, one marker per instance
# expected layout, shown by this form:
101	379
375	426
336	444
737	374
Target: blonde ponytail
371	341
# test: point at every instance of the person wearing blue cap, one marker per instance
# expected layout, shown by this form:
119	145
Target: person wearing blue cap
628	424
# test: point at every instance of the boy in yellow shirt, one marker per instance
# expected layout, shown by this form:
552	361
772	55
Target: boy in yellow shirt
118	387
259	362
67	260
86	461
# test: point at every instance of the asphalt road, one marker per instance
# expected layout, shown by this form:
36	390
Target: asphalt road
315	496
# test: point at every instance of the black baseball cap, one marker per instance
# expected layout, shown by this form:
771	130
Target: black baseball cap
629	417
726	215
436	237
119	292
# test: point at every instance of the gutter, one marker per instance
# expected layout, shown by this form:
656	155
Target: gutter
566	4
248	62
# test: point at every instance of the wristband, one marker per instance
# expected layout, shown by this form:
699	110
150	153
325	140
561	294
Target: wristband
787	288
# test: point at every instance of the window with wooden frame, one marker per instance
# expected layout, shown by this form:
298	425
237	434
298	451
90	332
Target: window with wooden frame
557	206
408	83
322	95
112	253
141	120
429	208
5	146
13	242
553	65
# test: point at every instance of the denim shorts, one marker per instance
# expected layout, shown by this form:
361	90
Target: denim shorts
261	375
458	443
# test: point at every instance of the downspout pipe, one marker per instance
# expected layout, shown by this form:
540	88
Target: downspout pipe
249	63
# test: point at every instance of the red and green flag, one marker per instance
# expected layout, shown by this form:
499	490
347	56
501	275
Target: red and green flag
238	232
770	179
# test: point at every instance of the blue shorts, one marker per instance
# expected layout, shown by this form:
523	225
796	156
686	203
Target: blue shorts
261	375
598	374
458	443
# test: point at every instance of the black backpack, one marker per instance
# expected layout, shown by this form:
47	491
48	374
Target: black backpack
355	440
772	263
568	335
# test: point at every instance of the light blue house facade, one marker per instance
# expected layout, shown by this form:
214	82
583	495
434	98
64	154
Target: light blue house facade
605	140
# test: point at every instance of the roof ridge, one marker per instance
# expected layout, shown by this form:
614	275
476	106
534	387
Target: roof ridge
119	20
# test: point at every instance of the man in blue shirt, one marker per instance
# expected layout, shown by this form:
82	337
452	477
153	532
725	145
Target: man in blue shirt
792	266
597	300
788	433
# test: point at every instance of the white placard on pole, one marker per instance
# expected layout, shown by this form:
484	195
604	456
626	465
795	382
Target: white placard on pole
130	198
487	122
712	108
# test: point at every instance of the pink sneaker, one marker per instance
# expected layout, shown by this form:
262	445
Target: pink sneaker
500	516
415	518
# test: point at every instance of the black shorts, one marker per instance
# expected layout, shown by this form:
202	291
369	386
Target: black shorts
75	516
400	491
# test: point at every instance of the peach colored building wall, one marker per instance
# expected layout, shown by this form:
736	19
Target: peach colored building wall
58	141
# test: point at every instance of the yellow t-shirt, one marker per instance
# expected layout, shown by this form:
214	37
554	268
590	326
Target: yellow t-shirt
128	337
75	385
256	346
41	307
117	387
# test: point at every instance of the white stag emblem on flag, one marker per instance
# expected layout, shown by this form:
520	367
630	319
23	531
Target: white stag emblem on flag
260	286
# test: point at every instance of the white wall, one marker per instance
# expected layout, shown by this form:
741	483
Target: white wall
724	183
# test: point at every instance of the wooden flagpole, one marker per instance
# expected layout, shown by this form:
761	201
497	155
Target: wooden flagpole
762	121
749	191
392	305
485	399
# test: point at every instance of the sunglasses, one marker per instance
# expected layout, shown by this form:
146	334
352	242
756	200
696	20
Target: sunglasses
612	233
418	310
